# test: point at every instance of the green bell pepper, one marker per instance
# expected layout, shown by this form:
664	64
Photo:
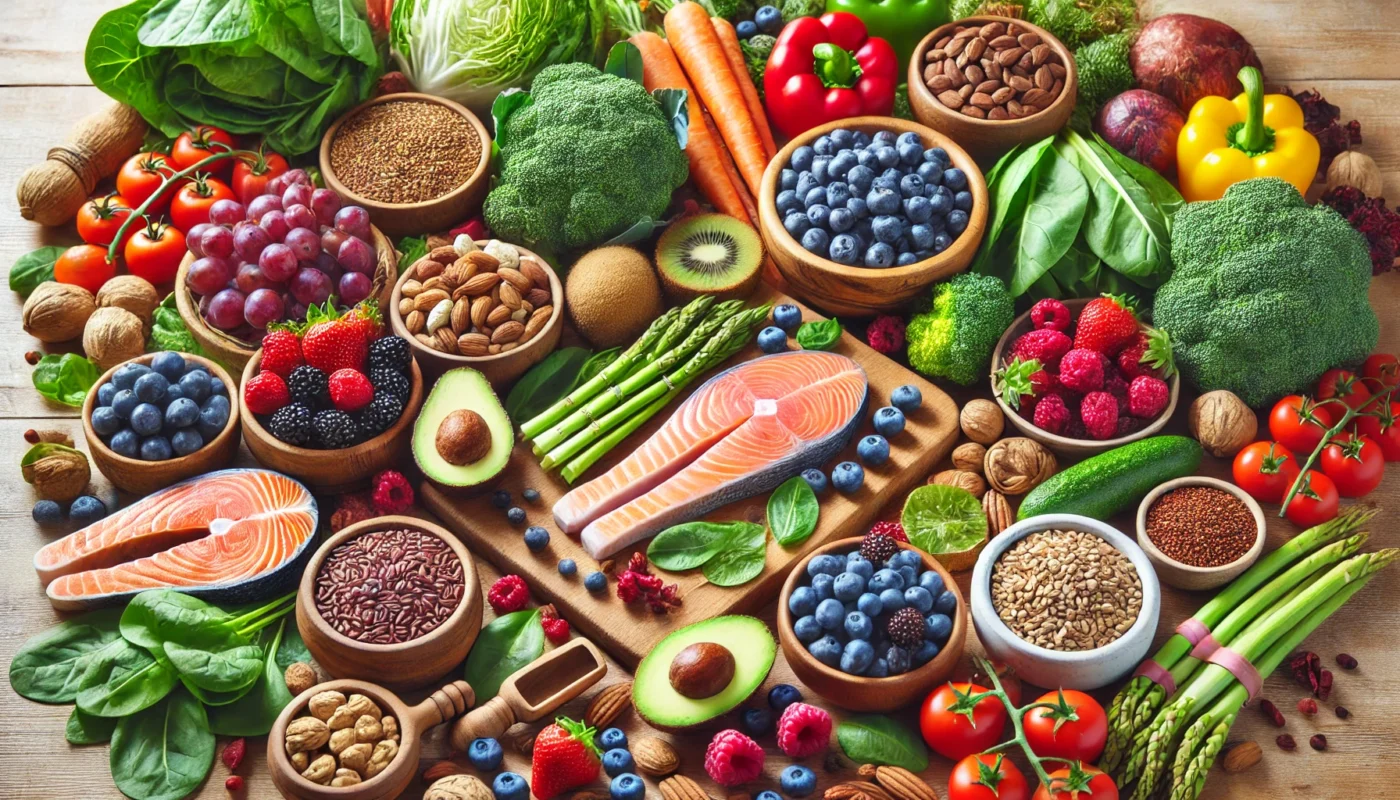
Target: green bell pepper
902	23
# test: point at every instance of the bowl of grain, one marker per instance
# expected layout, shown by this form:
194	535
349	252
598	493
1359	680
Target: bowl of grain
1065	600
1199	532
417	162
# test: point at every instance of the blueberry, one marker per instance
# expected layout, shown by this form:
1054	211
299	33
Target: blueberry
768	794
185	441
882	201
840	220
866	158
501	499
838	193
886	579
516	515
746	30
922	236
842	138
857	565
858	625
616	762
772	339
955	179
182	413
797	780
918	209
816	479
155	448
536	538
878	669
173	393
825	564
816	196
869	604
125	442
907	558
905	260
768	19
848	586
860	139
963	200
931	581
824	586
885	182
531	495
150	388
859	178
816	241
937	628
873	450
105	393
787	200
194	385
911	185
910	575
568	567
48	512
883	137
843	248
858	206
626	787
125	377
826	650
782	696
887	156
898	660
124	402
941	199
216	387
787	316
887	229
146	419
509	786
829	614
842	163
758	721
612	738
946	603
213	416
957	221
796	224
787	179
926	653
105	421
595	582
856	656
931	172
802	158
169	364
937	153
892	600
819	215
822	146
807	628
919	599
820	163
802	601
879	255
847	477
485	754
910	153
941	242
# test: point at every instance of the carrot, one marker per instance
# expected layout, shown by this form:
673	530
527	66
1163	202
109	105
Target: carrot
728	163
699	51
708	166
729	40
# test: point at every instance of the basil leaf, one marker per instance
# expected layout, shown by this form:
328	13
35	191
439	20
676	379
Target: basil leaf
688	545
258	710
546	383
33	268
218	670
123	680
65	378
169	332
1053	213
819	334
738	564
876	739
793	511
504	646
164	752
50	665
84	728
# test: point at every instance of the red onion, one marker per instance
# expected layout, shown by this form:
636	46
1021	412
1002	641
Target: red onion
1185	57
1143	126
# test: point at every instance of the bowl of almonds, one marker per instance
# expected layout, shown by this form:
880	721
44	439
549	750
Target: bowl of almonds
489	305
991	83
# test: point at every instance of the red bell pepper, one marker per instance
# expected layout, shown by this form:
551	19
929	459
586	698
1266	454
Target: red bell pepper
827	69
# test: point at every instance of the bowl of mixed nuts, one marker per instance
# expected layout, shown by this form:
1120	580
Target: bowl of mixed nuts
489	305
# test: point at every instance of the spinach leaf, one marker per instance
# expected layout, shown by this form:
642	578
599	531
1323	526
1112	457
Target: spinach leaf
546	383
688	545
156	617
293	649
793	511
225	669
819	334
65	378
50	665
877	739
168	330
1053	213
164	752
1010	185
213	699
1159	189
176	23
33	268
507	644
86	729
739	563
1122	224
126	70
123	680
254	715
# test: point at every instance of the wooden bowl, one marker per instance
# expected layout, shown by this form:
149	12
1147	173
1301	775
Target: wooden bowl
440	213
1185	576
406	665
862	291
443	705
235	353
984	138
333	471
1065	445
854	692
143	477
502	368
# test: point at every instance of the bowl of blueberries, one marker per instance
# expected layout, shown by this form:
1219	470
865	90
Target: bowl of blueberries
871	623
862	214
161	418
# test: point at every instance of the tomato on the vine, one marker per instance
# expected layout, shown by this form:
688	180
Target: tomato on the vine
954	726
155	252
84	265
1383	428
988	776
1355	464
251	174
1379	371
1078	782
1343	385
1299	423
1265	470
100	217
141	176
200	142
1074	730
1316	500
191	204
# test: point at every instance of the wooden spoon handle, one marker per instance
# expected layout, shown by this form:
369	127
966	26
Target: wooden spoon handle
485	722
450	701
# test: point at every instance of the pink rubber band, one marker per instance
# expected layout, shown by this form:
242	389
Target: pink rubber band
1194	630
1240	667
1203	650
1153	672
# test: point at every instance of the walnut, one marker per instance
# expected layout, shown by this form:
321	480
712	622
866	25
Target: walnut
969	456
368	729
962	479
982	421
458	787
1356	169
113	335
321	770
300	760
342	739
1222	423
60	474
57	312
345	777
306	733
324	704
299	677
360	705
391	727
1017	465
356	756
384	753
132	293
342	718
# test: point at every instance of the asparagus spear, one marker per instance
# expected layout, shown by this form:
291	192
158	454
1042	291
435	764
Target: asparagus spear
600	448
694	311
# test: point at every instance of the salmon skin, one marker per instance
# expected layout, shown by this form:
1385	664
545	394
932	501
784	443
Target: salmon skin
742	433
238	535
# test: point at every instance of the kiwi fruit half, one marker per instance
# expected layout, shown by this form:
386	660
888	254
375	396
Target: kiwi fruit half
712	254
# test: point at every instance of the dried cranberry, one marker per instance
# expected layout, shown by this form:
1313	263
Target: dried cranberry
234	783
1306	667
1272	713
1345	661
1285	742
233	753
1318	742
1307	706
1342	712
1324	684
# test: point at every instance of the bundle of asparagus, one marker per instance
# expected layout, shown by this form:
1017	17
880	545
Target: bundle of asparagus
677	348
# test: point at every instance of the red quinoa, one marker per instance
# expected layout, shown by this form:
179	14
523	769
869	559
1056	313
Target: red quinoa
387	587
1201	526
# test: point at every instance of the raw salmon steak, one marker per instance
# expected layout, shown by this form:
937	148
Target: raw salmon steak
742	433
238	535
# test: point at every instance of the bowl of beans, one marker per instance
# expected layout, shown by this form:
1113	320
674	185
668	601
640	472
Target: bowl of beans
415	161
1199	533
392	599
1065	600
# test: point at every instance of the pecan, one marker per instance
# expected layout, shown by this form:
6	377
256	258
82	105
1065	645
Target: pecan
856	790
679	787
442	769
998	511
608	704
903	784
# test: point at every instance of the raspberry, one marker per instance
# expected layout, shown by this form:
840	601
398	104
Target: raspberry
803	730
1074	429
886	334
638	563
1051	414
1099	411
233	752
1050	314
892	529
1130	360
350	389
1147	396
265	392
556	628
281	352
1046	345
1044	382
1117	385
627	589
1081	370
1127	426
350	509
877	547
508	594
393	494
733	758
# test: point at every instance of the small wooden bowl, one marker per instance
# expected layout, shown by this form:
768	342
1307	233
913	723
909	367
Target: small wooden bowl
333	471
236	352
1064	445
988	139
1185	576
143	477
854	692
502	368
441	706
440	213
406	665
862	291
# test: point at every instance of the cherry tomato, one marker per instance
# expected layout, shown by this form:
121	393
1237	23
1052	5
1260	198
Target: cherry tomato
947	728
1299	424
1315	503
155	252
1355	463
1075	731
1344	385
252	174
1383	429
1078	782
1265	470
141	176
85	265
200	142
989	776
191	204
100	217
1380	370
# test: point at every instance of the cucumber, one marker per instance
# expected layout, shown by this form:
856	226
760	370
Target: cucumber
1110	482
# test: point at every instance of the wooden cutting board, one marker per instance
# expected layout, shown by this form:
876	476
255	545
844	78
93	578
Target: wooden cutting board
629	632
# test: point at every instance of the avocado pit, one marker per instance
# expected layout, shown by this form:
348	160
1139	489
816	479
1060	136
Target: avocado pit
463	438
702	670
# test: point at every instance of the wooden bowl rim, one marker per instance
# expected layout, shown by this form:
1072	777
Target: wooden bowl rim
409	741
95	442
976	183
482	171
917	64
940	662
556	289
1150	547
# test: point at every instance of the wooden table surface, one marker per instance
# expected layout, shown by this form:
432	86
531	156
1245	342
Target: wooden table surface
1343	48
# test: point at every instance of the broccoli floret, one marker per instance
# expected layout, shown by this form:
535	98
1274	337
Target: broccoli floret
756	51
962	9
1267	294
792	9
1078	22
902	109
955	337
1104	71
590	155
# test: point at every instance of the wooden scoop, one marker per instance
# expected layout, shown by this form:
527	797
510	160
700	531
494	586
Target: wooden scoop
535	690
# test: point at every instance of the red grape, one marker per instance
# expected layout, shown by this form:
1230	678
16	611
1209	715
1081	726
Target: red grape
249	240
216	241
226	310
293	176
296	311
304	242
310	286
263	203
354	220
226	212
299	216
250	277
356	256
325	202
278	262
193	236
277	185
275	223
262	308
331	239
326	263
298	194
354	287
208	275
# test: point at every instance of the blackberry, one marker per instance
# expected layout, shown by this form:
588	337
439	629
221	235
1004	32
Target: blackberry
335	429
384	410
292	424
877	548
389	352
391	381
310	387
906	628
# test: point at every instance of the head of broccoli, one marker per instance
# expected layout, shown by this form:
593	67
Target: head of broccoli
1268	292
954	338
590	155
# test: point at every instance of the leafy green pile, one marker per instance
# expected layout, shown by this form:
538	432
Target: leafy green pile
727	553
65	378
282	68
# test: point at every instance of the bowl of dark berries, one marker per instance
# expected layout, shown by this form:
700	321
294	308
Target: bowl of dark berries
161	418
331	401
872	623
1084	376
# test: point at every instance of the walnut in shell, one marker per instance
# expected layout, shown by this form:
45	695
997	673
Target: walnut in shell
969	456
57	312
1222	423
1015	466
982	421
962	479
133	293
113	335
458	787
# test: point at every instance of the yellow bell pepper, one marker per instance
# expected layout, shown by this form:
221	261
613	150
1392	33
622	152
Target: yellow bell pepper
1255	135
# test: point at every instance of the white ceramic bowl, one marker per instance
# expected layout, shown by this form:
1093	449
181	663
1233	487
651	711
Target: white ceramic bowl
1185	576
1084	669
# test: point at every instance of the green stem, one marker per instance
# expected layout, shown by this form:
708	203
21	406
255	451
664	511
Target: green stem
835	66
1347	416
140	211
237	623
1251	137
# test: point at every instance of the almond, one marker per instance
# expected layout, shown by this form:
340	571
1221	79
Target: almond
493	350
405	306
533	326
481	310
429	298
427	341
903	784
539	297
427	270
447	340
473	344
679	787
507	332
498	315
516	278
436	282
415	321
510	296
461	315
460	272
481	283
483	260
537	274
411	288
1242	756
608	704
443	255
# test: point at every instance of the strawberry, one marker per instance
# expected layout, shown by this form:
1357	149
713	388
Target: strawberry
265	392
564	757
281	352
1106	325
350	390
366	319
330	342
1147	353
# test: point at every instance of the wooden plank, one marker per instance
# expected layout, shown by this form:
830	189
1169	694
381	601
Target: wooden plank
43	42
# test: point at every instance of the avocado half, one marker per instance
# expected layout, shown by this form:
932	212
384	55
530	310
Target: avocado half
462	389
657	701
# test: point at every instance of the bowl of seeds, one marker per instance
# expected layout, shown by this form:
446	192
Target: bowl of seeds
1199	532
1065	600
416	162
